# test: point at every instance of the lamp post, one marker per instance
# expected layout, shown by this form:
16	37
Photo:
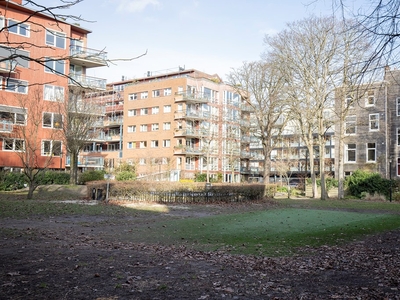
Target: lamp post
390	178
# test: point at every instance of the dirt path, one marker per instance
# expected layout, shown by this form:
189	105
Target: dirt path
89	257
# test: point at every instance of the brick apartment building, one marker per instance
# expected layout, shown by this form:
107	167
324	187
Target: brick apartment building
174	124
40	58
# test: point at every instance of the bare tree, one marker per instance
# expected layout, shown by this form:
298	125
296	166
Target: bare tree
24	138
310	52
81	115
261	84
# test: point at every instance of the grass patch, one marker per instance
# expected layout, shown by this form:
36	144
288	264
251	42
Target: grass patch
276	232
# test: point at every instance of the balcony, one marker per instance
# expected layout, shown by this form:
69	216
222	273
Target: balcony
113	121
190	132
6	126
188	150
87	82
7	66
191	97
87	57
87	161
193	115
115	108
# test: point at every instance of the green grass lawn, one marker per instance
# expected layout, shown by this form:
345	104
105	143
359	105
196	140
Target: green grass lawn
276	232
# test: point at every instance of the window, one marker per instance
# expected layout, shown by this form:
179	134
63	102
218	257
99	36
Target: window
132	112
2	23
166	143
370	98
350	152
51	148
156	93
144	95
167	108
398	106
374	122
13	145
54	66
56	39
350	125
53	93
131	145
143	127
52	120
132	97
398	136
167	92
154	144
144	111
155	110
131	128
16	86
349	101
18	28
167	126
142	161
13	115
154	127
143	144
371	152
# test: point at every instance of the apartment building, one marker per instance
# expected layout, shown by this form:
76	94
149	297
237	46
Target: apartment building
174	124
372	126
42	60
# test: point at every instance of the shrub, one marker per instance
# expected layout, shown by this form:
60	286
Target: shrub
11	181
52	177
363	182
125	176
91	176
200	177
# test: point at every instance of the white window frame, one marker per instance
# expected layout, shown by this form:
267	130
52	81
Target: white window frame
370	148
167	126
50	66
398	136
167	91
2	22
142	161
346	151
53	93
144	111
144	95
19	86
56	36
370	122
154	144
166	143
155	110
132	112
350	122
143	144
156	93
167	108
18	27
398	106
11	116
370	95
349	101
131	128
132	96
130	145
14	148
52	120
155	127
51	148
143	128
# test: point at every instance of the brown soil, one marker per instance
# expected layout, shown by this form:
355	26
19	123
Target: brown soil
91	257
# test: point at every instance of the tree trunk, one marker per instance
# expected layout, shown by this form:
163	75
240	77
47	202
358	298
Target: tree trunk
312	172
74	168
31	189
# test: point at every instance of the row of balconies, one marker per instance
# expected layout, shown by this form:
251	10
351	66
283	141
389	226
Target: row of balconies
192	114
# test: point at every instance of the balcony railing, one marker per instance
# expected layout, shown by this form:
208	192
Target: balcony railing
87	161
87	82
191	132
6	126
87	57
7	66
188	150
191	97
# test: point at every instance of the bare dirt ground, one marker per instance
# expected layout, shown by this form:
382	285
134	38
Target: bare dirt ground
91	257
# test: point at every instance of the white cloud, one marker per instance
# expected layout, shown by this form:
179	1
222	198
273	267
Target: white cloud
136	5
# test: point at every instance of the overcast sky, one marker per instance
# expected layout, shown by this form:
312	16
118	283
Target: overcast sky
213	36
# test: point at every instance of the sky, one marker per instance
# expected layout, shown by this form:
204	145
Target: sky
213	36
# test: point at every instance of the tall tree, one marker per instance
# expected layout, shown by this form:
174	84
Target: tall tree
261	84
